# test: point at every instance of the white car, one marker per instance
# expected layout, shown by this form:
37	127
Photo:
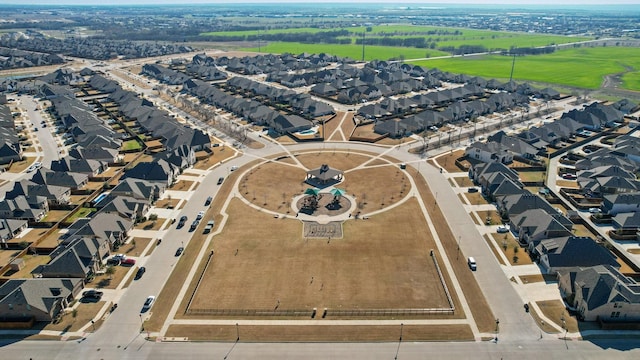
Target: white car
37	165
200	215
594	210
233	168
502	229
148	303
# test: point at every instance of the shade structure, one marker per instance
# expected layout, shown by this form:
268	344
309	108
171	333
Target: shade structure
338	192
311	191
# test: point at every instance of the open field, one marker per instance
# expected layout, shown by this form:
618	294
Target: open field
281	269
372	52
579	67
322	333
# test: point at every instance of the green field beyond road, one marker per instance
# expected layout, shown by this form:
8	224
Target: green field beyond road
579	67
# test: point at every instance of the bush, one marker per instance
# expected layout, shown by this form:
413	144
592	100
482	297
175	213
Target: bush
153	217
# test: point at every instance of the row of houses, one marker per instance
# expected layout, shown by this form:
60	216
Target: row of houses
15	59
251	110
152	122
10	140
589	278
454	112
90	48
271	63
84	247
588	274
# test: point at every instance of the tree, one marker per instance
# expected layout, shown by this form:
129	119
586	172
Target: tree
110	271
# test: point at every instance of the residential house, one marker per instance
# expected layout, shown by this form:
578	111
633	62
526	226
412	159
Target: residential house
601	292
20	208
157	171
614	204
55	195
535	225
69	180
38	299
103	226
489	152
564	253
78	257
10	228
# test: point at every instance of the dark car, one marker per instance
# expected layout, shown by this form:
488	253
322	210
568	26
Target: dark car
183	220
220	180
194	225
92	294
208	201
140	272
179	251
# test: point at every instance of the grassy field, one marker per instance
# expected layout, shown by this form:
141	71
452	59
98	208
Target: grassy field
441	36
350	50
579	67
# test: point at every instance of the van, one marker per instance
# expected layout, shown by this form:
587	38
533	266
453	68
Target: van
472	263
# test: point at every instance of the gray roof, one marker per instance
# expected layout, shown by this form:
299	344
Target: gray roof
42	294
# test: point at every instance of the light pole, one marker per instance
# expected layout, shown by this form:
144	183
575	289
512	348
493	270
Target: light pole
399	341
237	333
141	324
497	328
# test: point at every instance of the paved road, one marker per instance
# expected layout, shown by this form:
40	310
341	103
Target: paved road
137	348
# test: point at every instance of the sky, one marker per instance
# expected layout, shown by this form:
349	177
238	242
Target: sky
475	2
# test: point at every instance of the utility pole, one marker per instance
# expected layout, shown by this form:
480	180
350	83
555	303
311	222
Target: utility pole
513	65
363	35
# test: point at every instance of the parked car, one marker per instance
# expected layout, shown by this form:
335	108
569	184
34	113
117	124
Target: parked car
208	201
128	262
233	168
209	227
92	294
473	190
148	303
220	180
140	272
179	251
569	176
594	210
502	229
200	215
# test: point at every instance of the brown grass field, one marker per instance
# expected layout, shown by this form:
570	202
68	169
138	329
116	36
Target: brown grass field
280	265
323	333
259	187
448	161
182	185
464	181
86	312
262	255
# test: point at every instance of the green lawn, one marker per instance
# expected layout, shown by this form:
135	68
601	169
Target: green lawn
631	80
353	51
132	144
83	212
579	67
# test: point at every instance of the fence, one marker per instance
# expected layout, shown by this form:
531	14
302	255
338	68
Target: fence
387	312
444	284
252	312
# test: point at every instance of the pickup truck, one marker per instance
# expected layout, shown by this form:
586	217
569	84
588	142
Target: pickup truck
92	294
209	227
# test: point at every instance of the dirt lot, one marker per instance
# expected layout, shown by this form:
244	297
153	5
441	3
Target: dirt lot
282	269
